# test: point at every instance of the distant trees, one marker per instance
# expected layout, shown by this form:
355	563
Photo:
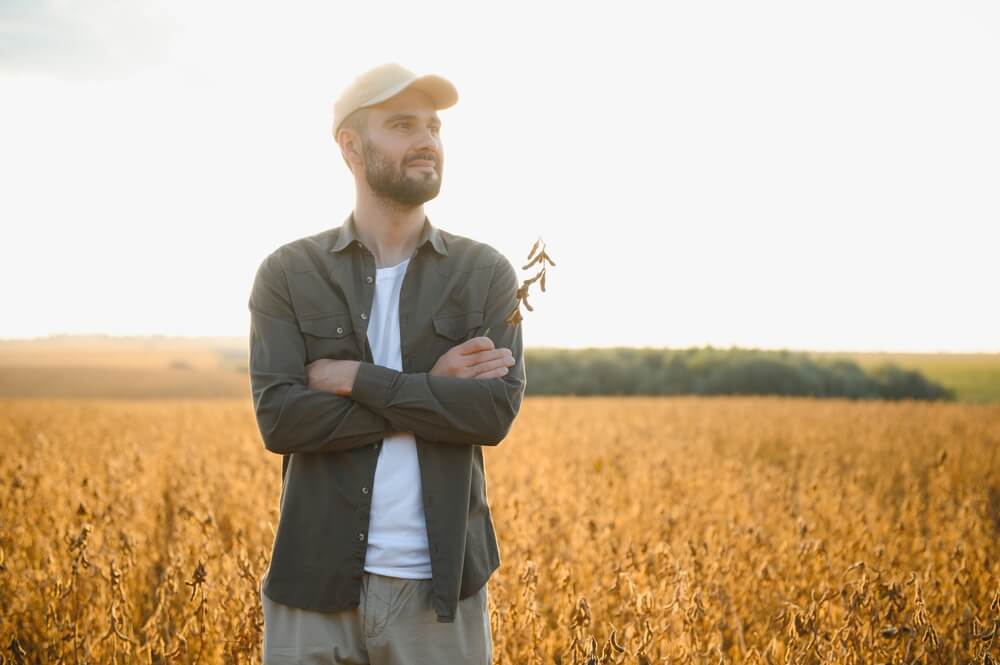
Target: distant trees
709	371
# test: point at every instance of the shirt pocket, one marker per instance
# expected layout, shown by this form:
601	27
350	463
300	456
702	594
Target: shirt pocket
330	336
457	327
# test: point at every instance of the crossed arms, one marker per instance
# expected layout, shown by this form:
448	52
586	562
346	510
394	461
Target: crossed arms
338	405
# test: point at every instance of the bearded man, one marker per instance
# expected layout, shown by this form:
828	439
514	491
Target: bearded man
372	377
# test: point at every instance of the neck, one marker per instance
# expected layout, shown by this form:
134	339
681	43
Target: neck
389	229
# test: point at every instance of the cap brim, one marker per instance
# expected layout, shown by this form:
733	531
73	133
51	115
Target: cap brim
441	91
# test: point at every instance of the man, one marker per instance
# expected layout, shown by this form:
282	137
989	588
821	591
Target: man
372	377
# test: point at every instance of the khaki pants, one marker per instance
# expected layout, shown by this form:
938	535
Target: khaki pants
395	624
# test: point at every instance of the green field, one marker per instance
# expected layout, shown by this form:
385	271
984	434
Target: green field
975	377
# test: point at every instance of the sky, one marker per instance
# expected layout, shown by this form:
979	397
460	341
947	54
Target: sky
793	175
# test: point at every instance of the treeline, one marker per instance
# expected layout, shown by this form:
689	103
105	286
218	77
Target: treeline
711	371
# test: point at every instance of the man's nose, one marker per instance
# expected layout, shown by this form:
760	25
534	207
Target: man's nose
428	141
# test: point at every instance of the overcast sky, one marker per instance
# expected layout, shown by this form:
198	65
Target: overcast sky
762	174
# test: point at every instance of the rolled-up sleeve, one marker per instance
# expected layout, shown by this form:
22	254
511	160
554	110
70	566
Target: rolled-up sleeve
451	409
291	417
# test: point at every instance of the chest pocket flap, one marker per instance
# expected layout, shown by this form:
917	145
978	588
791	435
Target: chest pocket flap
456	326
332	325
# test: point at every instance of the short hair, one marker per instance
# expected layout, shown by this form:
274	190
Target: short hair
358	121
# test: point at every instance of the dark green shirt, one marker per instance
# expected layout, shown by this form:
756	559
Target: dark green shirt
311	298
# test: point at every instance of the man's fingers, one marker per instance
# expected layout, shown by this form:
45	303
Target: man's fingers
492	354
492	374
503	361
480	360
476	344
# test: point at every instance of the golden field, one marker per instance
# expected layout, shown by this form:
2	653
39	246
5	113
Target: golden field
632	530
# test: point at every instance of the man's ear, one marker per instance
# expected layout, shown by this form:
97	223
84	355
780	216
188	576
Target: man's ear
350	146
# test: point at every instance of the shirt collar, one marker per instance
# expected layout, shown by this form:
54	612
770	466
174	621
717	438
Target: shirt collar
347	233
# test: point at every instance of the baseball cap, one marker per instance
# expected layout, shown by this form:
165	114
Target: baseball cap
380	83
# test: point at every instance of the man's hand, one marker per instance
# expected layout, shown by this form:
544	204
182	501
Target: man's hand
333	376
474	359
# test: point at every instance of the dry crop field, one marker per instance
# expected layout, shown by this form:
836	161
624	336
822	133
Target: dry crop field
632	530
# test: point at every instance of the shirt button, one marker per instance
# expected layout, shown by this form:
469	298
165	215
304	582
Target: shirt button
368	279
359	244
363	315
361	536
364	490
339	330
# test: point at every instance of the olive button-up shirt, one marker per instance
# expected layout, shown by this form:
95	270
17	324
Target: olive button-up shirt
310	299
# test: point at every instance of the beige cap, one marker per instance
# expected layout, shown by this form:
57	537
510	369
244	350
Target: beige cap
379	84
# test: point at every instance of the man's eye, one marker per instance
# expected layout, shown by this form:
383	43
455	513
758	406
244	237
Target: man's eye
403	124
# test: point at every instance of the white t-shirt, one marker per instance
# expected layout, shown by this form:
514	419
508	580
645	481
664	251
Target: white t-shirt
397	529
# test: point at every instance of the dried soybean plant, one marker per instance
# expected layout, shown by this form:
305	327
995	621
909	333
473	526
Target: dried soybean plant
541	257
687	547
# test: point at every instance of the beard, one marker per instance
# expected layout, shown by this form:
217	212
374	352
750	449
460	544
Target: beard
389	182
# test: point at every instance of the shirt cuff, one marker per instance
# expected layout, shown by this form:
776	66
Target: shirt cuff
371	385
